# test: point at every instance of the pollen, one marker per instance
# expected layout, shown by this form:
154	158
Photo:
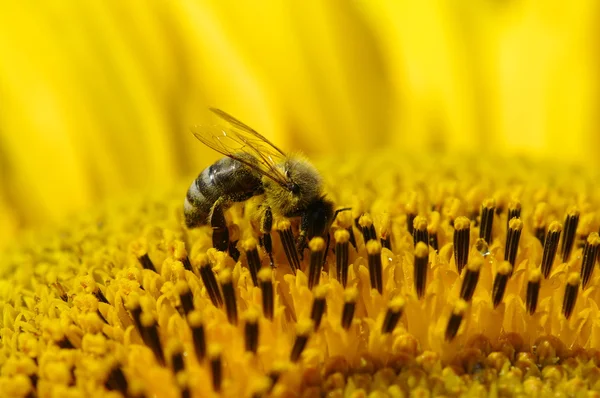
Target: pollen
466	279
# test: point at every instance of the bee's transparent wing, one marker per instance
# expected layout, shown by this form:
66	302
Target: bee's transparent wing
242	143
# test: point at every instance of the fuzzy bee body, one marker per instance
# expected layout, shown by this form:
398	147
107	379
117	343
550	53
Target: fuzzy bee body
225	178
290	186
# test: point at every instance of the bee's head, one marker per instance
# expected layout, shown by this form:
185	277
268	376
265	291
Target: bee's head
302	187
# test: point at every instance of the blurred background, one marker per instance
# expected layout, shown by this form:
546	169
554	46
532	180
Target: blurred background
97	97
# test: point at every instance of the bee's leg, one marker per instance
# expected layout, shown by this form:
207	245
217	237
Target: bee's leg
220	236
328	239
301	243
265	227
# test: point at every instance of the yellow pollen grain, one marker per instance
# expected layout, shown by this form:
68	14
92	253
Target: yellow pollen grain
573	211
373	247
344	219
460	307
420	223
147	319
341	236
321	291
182	379
304	327
593	239
139	247
514	205
505	268
178	249
265	274
555	226
365	220
182	288
350	294
316	244
489	203
133	301
573	279
515	224
283	225
462	222
195	318
421	250
214	350
201	260
396	304
249	244
225	276
174	347
251	315
535	275
475	264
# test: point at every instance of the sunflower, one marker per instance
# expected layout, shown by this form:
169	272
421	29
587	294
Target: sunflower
461	136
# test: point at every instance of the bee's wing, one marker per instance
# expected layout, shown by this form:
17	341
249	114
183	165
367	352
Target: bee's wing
242	143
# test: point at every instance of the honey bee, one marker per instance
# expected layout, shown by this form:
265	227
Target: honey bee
289	185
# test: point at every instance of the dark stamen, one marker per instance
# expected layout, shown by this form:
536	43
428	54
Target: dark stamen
350	296
386	232
487	220
304	329
249	246
539	222
570	297
533	290
251	331
469	283
500	281
420	230
411	213
287	239
590	253
513	235
266	285
393	314
216	368
186	297
456	318
367	228
210	281
317	250
462	234
341	255
571	222
432	230
375	267
198	334
514	211
100	296
116	380
318	307
177	363
229	296
421	264
550	247
234	237
146	262
152	340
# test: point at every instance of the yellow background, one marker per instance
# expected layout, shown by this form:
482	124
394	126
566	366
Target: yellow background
97	97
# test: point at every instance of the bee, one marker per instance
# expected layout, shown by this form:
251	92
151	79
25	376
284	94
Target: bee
288	185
